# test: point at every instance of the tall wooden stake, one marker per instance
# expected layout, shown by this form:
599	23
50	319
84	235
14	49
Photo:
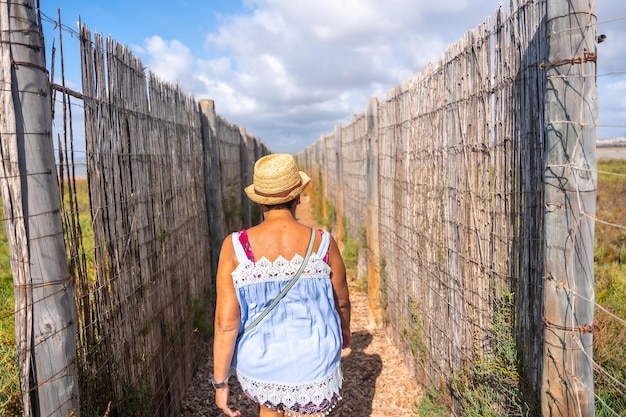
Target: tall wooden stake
339	190
44	292
212	173
375	308
570	195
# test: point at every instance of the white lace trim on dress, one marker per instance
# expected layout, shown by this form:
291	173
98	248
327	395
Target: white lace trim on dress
264	270
316	395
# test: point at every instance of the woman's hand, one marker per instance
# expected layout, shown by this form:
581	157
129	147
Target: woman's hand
347	339
221	400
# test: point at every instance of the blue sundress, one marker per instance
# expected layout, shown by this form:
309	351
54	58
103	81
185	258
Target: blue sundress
291	360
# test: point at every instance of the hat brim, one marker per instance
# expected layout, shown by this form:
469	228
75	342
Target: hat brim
272	200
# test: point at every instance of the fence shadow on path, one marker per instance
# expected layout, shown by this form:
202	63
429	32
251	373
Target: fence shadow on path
360	371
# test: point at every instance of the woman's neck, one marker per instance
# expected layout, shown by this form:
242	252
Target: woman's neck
279	215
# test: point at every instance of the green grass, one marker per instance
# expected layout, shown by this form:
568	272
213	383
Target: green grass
412	331
609	348
10	399
323	210
86	228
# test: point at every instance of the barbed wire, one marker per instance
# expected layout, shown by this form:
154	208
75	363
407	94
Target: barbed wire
56	24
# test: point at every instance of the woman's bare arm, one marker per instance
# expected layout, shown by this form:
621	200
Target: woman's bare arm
340	290
227	322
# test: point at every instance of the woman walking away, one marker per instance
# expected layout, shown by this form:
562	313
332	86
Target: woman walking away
283	308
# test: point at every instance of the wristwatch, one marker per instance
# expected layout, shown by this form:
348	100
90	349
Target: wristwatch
218	385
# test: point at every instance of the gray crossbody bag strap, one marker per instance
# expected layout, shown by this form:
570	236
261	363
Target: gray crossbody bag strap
286	289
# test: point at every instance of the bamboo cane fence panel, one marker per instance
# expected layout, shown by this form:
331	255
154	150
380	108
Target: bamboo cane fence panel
330	170
354	146
229	144
145	171
459	179
252	149
154	156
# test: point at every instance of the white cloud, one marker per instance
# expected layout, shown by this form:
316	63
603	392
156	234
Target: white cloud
290	70
300	55
170	59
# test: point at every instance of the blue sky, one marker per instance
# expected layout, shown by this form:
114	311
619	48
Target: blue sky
289	71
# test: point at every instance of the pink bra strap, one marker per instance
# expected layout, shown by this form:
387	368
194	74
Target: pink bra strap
245	243
243	239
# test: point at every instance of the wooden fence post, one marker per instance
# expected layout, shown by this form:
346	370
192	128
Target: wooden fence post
570	193
324	175
339	175
212	177
247	174
372	217
44	290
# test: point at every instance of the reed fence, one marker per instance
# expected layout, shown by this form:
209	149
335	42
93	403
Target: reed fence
141	227
474	184
166	176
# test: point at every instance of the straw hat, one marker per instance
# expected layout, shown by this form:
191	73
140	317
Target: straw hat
276	180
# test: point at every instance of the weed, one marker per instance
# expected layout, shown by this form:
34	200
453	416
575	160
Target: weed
621	255
317	198
432	405
350	257
490	386
324	211
10	397
163	235
331	215
384	295
135	400
412	331
352	250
